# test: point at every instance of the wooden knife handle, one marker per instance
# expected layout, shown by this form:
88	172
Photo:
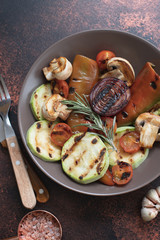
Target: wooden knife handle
41	191
24	184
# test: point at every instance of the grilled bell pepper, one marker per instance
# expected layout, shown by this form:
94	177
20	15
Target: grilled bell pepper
145	92
84	76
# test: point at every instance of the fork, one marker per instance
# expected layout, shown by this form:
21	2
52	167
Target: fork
23	181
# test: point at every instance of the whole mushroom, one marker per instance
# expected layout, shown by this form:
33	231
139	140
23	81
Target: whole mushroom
53	108
148	125
151	204
59	68
120	68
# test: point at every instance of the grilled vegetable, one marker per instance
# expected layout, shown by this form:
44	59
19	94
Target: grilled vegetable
144	95
118	64
109	96
39	142
74	122
53	108
135	159
148	125
122	173
59	68
130	142
60	134
38	98
107	178
84	76
103	57
61	88
85	158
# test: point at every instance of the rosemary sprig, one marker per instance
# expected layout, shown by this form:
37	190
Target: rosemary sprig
82	106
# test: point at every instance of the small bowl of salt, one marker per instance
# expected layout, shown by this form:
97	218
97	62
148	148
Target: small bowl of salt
41	225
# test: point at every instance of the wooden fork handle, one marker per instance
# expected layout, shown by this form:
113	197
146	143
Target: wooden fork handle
23	181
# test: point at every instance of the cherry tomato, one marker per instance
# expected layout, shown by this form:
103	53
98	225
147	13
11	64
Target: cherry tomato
102	58
107	178
130	142
76	119
122	173
109	123
61	87
60	134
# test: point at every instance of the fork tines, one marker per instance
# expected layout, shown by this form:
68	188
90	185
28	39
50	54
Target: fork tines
3	90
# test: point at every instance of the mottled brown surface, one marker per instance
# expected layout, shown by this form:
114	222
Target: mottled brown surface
27	28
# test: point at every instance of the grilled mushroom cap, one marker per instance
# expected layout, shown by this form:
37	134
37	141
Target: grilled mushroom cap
148	125
124	67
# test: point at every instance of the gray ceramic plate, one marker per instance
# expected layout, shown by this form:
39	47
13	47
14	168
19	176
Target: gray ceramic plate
89	43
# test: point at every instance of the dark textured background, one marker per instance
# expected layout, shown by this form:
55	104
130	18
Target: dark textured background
27	28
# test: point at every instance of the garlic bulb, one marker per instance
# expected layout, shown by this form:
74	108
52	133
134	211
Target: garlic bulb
151	204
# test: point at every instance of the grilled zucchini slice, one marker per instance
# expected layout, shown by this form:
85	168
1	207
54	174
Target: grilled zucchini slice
39	142
38	98
135	159
85	158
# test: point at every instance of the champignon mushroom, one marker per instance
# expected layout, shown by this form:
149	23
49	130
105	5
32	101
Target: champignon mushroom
151	204
59	68
121	68
116	73
53	108
148	125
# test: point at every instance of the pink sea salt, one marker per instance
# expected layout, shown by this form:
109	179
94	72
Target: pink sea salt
39	225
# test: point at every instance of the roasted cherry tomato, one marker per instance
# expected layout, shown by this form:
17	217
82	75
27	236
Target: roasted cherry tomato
109	123
61	87
60	134
107	178
130	142
122	173
103	57
76	119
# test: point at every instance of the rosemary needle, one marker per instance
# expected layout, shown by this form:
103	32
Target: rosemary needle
82	106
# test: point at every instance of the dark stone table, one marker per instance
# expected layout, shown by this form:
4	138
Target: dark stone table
27	28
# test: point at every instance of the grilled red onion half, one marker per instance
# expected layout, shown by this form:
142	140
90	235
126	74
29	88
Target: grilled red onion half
109	96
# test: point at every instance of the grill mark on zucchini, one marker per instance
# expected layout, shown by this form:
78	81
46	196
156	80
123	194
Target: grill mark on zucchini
98	168
101	155
64	156
38	125
77	139
38	149
94	141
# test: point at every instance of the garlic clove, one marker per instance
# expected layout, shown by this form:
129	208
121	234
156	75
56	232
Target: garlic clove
158	190
147	203
148	214
153	196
